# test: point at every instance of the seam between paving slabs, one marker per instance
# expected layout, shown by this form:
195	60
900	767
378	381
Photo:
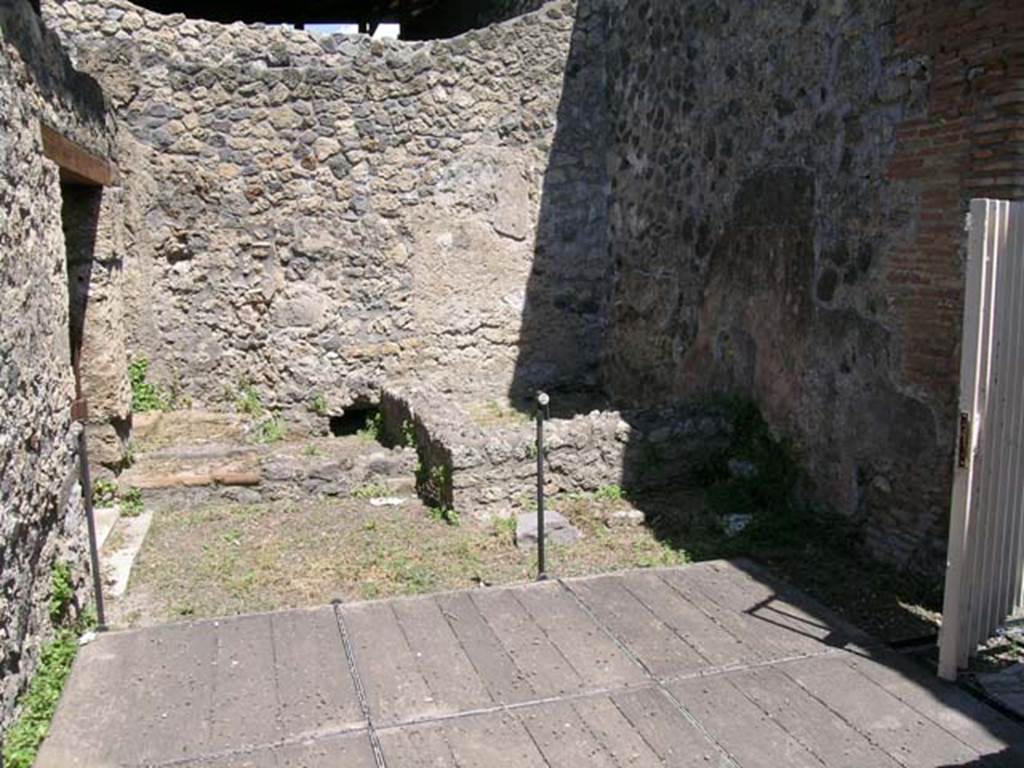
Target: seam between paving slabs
547	637
462	647
657	683
594	693
250	749
910	705
893	695
357	682
849	723
672	630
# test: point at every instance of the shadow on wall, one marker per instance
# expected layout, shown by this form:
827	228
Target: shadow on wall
52	73
565	313
683	253
79	214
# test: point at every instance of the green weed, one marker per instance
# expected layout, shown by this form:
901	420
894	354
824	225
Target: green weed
146	396
270	430
444	514
131	502
248	401
129	456
319	405
371	491
408	434
104	492
62	591
610	493
374	428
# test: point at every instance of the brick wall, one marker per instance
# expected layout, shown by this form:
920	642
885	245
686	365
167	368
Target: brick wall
970	143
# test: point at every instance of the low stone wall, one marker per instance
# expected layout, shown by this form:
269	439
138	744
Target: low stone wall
41	511
481	459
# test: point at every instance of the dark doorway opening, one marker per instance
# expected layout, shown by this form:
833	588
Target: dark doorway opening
80	210
361	418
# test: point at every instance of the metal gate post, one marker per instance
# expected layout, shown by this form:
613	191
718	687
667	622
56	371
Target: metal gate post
90	518
542	406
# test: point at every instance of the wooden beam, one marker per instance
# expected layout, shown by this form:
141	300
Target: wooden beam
77	164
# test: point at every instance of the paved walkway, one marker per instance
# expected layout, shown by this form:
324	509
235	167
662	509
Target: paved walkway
710	665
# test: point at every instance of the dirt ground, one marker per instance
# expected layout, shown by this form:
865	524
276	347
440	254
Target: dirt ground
227	559
210	557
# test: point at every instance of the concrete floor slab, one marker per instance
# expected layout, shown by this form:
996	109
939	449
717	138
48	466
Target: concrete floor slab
710	665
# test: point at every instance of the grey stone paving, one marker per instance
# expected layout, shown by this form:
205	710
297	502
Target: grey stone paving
709	665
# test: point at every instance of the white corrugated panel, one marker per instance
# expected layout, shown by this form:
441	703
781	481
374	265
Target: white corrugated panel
985	568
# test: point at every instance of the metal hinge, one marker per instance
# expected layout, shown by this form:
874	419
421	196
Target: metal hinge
79	409
964	440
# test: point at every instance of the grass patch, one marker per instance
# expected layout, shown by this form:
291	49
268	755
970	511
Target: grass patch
222	560
371	491
505	528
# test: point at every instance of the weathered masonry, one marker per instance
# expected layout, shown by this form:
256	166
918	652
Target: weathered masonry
59	264
631	204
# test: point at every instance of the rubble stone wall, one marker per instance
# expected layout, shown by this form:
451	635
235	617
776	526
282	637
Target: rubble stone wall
787	219
481	458
649	199
314	216
41	513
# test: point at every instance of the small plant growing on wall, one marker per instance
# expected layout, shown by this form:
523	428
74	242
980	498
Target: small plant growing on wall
374	428
104	492
146	396
247	400
319	405
39	702
62	591
270	430
408	434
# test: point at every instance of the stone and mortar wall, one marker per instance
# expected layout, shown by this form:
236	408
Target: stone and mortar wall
481	459
764	197
41	512
789	191
93	238
317	216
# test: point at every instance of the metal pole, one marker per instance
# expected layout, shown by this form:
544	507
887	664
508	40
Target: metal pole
94	554
542	405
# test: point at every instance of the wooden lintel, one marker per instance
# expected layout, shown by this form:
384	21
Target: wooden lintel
77	164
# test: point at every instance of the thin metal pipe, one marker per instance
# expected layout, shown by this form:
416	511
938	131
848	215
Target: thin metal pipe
94	554
542	405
